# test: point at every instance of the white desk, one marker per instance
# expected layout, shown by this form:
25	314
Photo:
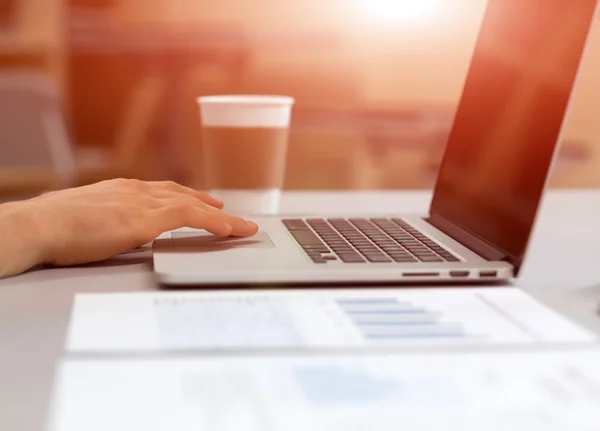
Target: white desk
562	269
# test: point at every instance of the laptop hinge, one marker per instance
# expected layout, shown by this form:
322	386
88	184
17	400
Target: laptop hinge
467	239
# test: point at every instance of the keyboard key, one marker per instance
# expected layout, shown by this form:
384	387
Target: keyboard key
423	253
339	244
315	247
391	250
306	237
380	258
395	255
431	259
365	250
351	258
341	251
405	259
296	226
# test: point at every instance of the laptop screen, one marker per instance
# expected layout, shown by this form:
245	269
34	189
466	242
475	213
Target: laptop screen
509	118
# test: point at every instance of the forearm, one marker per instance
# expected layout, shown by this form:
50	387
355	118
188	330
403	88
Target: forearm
19	241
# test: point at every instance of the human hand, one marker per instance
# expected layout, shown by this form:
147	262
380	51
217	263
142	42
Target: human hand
95	222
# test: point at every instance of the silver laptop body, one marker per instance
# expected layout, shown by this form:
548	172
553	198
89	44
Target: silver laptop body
494	172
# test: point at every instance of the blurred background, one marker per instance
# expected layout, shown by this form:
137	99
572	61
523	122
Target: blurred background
98	89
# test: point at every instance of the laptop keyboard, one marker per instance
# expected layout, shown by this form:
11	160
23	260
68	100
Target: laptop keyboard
375	240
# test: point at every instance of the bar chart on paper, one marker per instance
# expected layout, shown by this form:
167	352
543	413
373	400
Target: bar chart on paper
388	319
300	320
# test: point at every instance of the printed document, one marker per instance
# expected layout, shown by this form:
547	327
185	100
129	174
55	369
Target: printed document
239	320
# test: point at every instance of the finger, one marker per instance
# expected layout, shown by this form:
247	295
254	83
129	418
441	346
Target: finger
239	226
184	215
170	186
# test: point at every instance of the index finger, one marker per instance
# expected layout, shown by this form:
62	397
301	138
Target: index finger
182	214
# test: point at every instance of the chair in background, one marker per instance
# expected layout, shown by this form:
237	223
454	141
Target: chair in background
36	151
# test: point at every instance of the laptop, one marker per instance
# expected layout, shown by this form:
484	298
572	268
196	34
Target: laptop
488	190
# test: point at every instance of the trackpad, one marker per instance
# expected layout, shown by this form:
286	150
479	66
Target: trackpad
204	241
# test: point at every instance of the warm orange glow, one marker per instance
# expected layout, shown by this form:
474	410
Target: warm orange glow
400	10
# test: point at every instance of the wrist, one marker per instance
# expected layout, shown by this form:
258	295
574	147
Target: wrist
21	243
